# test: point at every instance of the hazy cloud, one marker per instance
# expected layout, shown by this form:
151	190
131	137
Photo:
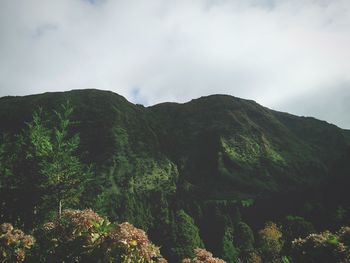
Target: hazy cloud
327	103
277	52
43	29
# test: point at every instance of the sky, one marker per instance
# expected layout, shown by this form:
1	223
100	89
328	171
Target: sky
288	55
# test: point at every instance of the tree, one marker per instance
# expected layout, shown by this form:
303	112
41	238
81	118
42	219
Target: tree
229	252
185	236
64	174
271	242
244	238
7	181
20	191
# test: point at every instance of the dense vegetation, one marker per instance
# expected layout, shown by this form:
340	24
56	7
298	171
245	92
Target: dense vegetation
218	172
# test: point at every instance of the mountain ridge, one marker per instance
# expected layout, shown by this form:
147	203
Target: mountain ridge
233	137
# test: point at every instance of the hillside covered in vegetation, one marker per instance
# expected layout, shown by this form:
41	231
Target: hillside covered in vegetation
218	172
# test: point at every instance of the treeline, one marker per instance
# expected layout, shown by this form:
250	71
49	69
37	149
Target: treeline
43	173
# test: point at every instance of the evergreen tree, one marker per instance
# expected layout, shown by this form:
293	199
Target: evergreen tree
64	174
229	252
7	182
244	239
185	236
19	176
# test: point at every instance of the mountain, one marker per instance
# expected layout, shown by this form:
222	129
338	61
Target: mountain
235	146
218	149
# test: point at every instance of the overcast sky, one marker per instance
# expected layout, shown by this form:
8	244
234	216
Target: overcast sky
289	55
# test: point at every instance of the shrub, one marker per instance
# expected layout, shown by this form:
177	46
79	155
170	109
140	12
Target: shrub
185	236
84	236
229	251
203	256
344	235
271	242
133	244
244	237
296	226
253	257
13	244
323	247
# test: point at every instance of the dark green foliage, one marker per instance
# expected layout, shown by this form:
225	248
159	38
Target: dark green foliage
238	148
64	175
244	238
247	203
214	221
41	170
295	227
285	259
229	252
20	179
185	237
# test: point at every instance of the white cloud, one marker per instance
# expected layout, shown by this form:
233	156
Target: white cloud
156	50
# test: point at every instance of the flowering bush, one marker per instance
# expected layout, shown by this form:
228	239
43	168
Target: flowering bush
84	236
70	237
13	244
344	235
322	247
253	257
133	243
203	256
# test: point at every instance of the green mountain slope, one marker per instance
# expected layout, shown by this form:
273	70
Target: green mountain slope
237	146
221	145
230	144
